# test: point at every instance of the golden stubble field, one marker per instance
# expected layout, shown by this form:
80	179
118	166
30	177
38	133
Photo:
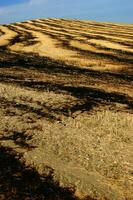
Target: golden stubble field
66	110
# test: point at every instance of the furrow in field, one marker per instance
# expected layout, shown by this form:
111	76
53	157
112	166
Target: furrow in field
8	35
59	51
88	27
101	43
88	33
45	46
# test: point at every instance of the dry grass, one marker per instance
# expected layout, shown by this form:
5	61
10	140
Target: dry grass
66	108
89	147
50	41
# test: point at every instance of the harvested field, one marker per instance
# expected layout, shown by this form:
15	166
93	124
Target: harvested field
66	110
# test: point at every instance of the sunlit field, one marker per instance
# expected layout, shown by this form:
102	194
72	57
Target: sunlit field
66	110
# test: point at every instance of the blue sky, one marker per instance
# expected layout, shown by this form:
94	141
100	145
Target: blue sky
99	10
10	2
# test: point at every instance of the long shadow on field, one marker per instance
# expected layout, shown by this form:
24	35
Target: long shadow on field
19	138
90	96
87	97
19	182
44	64
119	56
6	104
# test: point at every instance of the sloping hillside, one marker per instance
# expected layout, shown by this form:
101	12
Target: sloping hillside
66	102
